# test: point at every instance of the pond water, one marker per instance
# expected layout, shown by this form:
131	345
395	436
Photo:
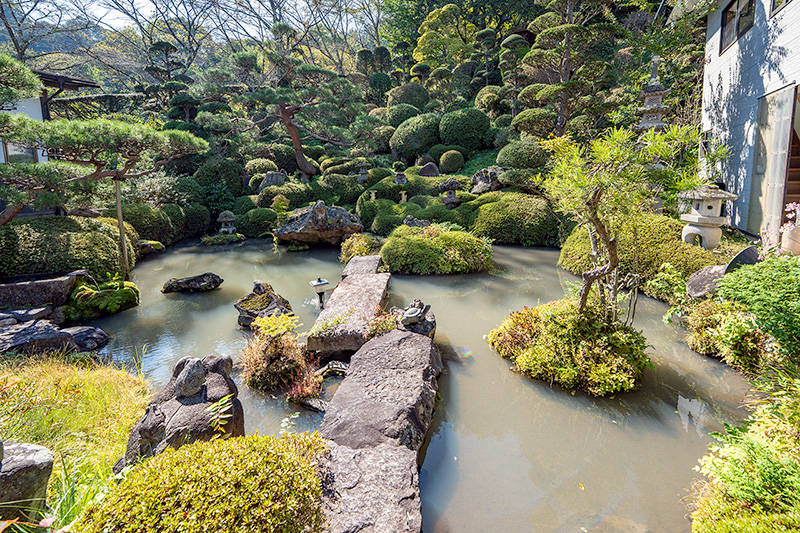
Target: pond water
505	453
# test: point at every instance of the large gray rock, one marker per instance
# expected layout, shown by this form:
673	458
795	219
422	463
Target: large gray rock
87	338
34	336
26	314
263	301
319	224
270	179
429	170
39	292
389	393
180	413
703	283
373	490
24	472
201	283
487	180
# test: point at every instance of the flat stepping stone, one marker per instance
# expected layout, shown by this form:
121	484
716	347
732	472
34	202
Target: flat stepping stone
35	336
362	265
25	314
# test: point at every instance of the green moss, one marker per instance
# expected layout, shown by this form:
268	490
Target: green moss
298	194
260	166
517	219
465	127
416	135
522	154
451	162
222	239
556	343
59	244
433	251
254	484
92	301
257	222
657	240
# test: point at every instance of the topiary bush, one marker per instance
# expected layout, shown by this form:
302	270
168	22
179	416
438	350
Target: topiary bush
284	157
397	114
89	301
465	127
220	171
382	135
412	94
438	150
416	135
522	154
256	222
556	343
150	223
538	122
254	484
431	250
451	162
657	240
260	166
771	291
491	100
243	204
517	218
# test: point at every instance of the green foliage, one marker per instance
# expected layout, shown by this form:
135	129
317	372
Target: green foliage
557	343
465	127
276	325
518	219
771	291
298	194
668	285
58	244
523	154
451	162
538	121
221	239
438	150
416	135
214	107
92	301
256	222
285	157
197	220
359	244
18	81
492	101
645	243
431	250
218	198
219	171
164	496
412	94
721	329
260	166
397	114
151	224
243	204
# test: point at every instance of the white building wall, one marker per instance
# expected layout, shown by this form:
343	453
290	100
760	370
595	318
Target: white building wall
763	60
31	107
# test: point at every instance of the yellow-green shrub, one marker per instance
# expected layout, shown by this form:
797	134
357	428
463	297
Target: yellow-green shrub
431	250
359	244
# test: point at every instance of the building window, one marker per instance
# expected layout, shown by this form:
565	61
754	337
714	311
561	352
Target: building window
777	5
15	153
737	18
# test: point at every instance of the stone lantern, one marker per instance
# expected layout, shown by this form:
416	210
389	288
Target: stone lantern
449	187
704	219
226	220
363	175
400	179
652	110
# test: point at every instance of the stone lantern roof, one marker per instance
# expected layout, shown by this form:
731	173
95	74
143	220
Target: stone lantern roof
226	216
707	192
450	184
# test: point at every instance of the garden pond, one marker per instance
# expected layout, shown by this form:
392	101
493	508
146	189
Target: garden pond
505	453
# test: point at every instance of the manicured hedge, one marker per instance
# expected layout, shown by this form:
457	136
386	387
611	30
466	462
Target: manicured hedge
416	135
465	127
433	250
412	93
518	218
522	154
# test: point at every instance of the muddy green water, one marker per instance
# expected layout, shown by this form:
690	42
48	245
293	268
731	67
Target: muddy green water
506	454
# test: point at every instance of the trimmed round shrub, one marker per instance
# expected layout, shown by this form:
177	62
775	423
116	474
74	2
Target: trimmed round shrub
522	154
178	219
459	103
556	343
382	135
491	100
223	172
465	127
338	189
517	218
285	157
538	122
374	175
243	204
416	135
378	112
412	93
189	189
657	240
503	121
345	167
438	150
432	250
273	479
256	222
397	114
260	166
151	224
59	244
451	162
314	151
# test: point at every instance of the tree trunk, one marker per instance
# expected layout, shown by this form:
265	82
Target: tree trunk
8	214
123	247
287	118
610	244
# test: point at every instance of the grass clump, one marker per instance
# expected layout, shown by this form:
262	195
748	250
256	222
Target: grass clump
435	250
247	484
556	343
92	301
81	411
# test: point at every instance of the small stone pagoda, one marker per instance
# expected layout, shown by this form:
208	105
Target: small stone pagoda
653	110
704	219
226	220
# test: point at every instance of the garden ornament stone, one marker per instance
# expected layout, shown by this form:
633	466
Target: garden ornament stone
363	174
272	178
653	110
403	197
416	318
226	220
415	222
704	221
182	412
371	196
400	179
449	187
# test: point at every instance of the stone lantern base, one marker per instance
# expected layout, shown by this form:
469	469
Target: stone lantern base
708	235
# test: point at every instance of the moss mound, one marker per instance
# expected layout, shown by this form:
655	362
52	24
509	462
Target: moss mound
522	154
92	301
412	94
451	161
243	204
657	240
465	127
518	218
433	250
247	484
397	114
260	166
150	223
557	344
58	244
284	157
416	135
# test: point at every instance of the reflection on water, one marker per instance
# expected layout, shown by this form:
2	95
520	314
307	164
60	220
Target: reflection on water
506	453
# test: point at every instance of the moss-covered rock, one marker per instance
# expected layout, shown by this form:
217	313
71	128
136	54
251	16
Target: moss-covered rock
412	94
257	222
644	244
255	484
431	250
397	114
556	343
58	244
451	162
517	218
416	135
465	127
522	154
89	301
221	239
359	244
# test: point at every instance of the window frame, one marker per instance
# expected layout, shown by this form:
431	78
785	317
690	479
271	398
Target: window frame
737	33
5	153
774	11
